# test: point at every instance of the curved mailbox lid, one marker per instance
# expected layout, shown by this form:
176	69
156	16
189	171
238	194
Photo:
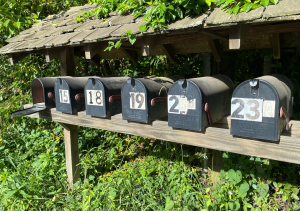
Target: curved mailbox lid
255	108
40	87
187	99
103	96
69	94
138	93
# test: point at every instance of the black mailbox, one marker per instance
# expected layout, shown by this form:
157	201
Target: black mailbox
69	94
103	96
145	99
197	103
42	90
261	107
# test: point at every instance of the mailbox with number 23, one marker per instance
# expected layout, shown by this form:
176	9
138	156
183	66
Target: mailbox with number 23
261	107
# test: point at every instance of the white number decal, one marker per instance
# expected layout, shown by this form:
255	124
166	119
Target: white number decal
94	97
137	100
64	96
179	104
247	109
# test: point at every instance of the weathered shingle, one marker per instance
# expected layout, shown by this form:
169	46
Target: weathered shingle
188	22
283	8
134	27
81	36
220	16
101	33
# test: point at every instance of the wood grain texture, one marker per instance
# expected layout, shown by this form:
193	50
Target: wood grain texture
237	35
275	40
287	149
67	62
72	153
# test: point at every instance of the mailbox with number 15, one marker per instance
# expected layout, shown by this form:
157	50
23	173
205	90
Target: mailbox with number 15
261	107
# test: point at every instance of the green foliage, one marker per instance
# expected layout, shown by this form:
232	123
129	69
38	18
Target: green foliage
16	16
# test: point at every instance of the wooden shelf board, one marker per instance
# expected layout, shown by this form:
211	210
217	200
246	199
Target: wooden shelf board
287	149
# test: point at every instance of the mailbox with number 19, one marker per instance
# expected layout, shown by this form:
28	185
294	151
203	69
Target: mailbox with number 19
145	99
261	107
197	103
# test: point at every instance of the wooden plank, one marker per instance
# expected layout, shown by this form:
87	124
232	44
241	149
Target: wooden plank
275	41
237	35
287	149
167	48
16	57
216	48
72	153
214	34
91	49
132	55
67	62
150	43
52	53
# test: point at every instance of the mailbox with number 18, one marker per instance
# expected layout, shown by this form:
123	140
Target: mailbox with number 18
103	96
197	103
261	107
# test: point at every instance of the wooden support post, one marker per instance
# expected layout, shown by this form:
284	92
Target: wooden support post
52	53
237	35
91	49
132	55
15	57
275	41
216	48
67	68
150	43
72	154
167	48
216	164
67	62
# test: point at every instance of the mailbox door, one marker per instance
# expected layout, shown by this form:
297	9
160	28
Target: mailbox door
185	106
134	101
95	98
63	95
255	110
48	86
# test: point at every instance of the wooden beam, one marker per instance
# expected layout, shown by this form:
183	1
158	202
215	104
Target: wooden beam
149	43
214	34
237	35
167	48
275	41
52	53
132	55
16	57
91	49
72	153
67	62
130	47
286	150
216	48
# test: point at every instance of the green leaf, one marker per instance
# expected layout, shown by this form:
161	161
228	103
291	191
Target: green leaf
169	204
247	7
219	2
235	177
6	22
143	28
236	9
17	24
39	9
262	189
234	205
179	12
243	188
132	38
265	2
118	44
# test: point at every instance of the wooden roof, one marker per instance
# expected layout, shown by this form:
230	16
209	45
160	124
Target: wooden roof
189	35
